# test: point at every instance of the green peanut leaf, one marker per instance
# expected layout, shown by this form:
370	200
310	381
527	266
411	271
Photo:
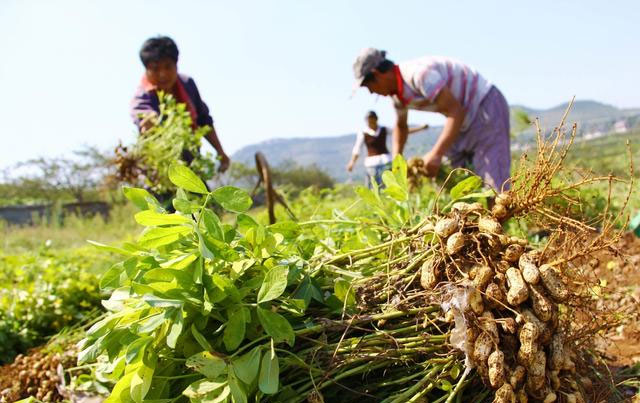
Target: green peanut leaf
212	224
111	279
207	364
150	218
469	185
247	366
135	349
274	284
232	199
269	374
141	380
139	197
159	236
122	390
276	326
202	388
234	332
200	338
175	330
289	229
185	178
237	389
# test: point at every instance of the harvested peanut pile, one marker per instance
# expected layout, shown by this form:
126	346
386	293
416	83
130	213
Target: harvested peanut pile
503	303
36	374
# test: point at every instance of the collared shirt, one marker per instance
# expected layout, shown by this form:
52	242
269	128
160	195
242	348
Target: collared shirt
421	80
145	100
372	160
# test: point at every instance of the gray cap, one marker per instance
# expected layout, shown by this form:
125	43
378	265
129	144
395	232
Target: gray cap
367	60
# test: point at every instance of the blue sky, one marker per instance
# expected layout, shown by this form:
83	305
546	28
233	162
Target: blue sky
283	68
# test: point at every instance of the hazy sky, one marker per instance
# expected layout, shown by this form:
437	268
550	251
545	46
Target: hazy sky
283	68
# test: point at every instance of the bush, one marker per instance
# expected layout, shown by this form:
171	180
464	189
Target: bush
42	293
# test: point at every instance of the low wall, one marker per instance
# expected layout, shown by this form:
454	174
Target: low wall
28	215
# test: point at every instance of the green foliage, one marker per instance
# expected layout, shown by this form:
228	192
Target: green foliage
44	292
169	138
208	308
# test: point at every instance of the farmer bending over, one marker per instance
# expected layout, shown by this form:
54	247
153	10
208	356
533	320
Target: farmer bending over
476	129
159	56
374	137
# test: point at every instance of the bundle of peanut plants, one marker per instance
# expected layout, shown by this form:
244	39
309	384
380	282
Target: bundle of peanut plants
434	306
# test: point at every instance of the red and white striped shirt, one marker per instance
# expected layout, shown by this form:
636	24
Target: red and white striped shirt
423	78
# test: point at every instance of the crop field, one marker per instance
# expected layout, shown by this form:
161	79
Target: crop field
424	291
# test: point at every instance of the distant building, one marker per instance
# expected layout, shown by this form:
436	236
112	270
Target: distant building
620	127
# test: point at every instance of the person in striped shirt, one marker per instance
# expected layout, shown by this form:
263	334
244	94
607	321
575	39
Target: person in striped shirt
476	129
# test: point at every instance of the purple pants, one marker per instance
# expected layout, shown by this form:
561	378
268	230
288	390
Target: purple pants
485	144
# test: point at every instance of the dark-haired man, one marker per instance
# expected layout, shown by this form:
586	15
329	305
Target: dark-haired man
476	129
159	55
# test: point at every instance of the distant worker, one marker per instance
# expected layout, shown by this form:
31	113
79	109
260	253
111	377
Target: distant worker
159	56
476	129
374	137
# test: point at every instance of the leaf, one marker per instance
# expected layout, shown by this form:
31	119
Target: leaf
185	206
237	389
247	366
152	323
180	262
200	338
245	222
185	178
121	391
150	218
175	330
309	290
159	236
289	229
399	169
295	306
158	302
108	248
274	284
343	290
393	188
269	374
276	326
139	197
137	348
207	364
232	199
212	224
111	278
141	381
234	332
469	185
225	285
202	387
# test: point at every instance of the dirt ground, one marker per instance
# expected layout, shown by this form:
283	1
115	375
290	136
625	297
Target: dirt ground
620	277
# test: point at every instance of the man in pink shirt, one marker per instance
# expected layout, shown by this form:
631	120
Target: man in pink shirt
476	129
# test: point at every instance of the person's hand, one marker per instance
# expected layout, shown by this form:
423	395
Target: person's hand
224	163
350	166
432	162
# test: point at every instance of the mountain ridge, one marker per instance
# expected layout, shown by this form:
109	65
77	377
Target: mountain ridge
331	153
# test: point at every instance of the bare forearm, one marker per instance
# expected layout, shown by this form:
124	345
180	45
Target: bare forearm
449	134
418	129
400	134
212	138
